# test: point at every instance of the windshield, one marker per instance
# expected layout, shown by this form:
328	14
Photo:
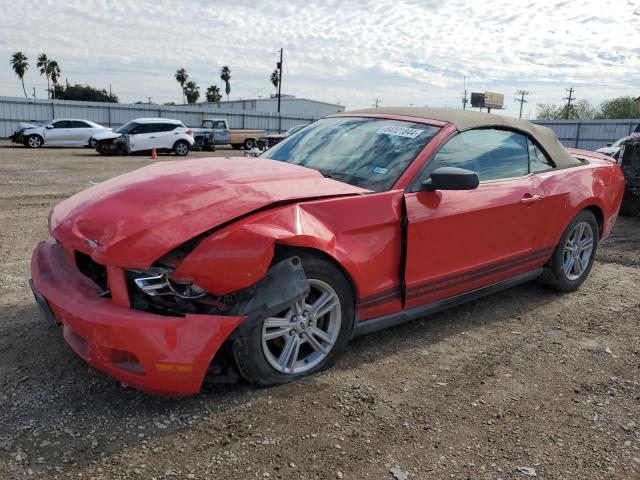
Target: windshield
127	127
370	153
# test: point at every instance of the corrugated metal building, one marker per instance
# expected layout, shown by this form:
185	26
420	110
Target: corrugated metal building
289	105
16	109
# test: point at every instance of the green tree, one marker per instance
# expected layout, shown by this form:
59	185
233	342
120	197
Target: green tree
54	73
85	93
549	111
20	65
225	76
275	79
182	78
620	107
192	91
581	109
43	65
213	94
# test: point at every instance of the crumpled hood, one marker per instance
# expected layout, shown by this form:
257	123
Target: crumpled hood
134	219
106	135
27	125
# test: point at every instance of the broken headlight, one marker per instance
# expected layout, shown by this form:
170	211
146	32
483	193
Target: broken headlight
154	290
158	282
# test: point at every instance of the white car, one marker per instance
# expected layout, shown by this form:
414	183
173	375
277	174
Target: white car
144	134
612	148
60	131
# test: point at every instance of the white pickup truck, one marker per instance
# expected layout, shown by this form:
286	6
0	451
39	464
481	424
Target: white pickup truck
216	131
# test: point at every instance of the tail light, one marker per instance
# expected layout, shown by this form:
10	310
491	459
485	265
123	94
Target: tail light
189	132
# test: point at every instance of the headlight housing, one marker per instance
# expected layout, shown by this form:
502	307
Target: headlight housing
154	290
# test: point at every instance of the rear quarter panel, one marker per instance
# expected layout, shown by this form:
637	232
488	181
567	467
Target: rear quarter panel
598	183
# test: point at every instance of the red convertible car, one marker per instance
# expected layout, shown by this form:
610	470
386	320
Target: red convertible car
267	266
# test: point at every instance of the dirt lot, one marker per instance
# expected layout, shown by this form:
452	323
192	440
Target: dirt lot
525	378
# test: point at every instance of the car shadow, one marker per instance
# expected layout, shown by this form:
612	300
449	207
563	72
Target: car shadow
46	391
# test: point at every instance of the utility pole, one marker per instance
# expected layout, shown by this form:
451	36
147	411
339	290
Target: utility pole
279	79
34	93
464	98
568	99
377	102
149	98
522	101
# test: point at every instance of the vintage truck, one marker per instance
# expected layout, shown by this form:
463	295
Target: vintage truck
216	131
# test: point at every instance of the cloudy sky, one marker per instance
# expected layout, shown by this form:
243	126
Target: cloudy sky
403	52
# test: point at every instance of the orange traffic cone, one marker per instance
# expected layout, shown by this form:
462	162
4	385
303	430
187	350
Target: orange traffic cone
154	155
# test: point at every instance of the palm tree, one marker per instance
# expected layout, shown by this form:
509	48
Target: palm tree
54	74
213	94
20	66
182	77
225	76
43	65
192	91
275	79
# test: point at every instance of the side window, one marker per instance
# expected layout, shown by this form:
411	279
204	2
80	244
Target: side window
141	128
538	161
492	154
62	124
218	125
78	124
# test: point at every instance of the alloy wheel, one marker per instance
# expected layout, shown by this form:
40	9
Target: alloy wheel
577	251
34	141
182	149
301	337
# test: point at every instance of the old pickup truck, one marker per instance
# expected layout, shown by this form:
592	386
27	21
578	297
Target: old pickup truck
216	131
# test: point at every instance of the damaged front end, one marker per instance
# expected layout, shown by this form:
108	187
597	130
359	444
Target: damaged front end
113	146
156	291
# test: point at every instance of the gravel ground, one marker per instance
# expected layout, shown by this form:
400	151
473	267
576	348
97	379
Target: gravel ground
522	382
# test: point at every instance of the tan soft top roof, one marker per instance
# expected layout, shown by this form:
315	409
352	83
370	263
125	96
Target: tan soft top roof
467	119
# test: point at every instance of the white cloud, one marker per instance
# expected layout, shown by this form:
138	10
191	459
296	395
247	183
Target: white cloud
407	51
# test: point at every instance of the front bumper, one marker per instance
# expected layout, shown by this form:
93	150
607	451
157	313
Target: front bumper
159	354
17	137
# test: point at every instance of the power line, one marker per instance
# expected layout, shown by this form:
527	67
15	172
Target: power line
522	101
568	99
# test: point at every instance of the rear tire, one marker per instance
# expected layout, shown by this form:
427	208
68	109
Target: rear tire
630	204
33	141
181	148
249	143
261	360
573	257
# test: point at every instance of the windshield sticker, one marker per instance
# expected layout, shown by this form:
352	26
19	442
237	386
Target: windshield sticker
400	131
380	170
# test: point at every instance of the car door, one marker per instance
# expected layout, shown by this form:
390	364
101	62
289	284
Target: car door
220	133
143	137
80	132
460	240
57	133
166	135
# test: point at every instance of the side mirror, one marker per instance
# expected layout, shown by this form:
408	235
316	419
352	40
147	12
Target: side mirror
49	127
451	178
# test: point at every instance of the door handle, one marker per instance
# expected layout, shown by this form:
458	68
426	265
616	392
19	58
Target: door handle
152	137
530	198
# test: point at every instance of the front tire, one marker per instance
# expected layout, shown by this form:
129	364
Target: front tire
181	148
33	141
573	257
305	338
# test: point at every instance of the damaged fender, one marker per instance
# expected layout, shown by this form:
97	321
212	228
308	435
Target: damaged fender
361	233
